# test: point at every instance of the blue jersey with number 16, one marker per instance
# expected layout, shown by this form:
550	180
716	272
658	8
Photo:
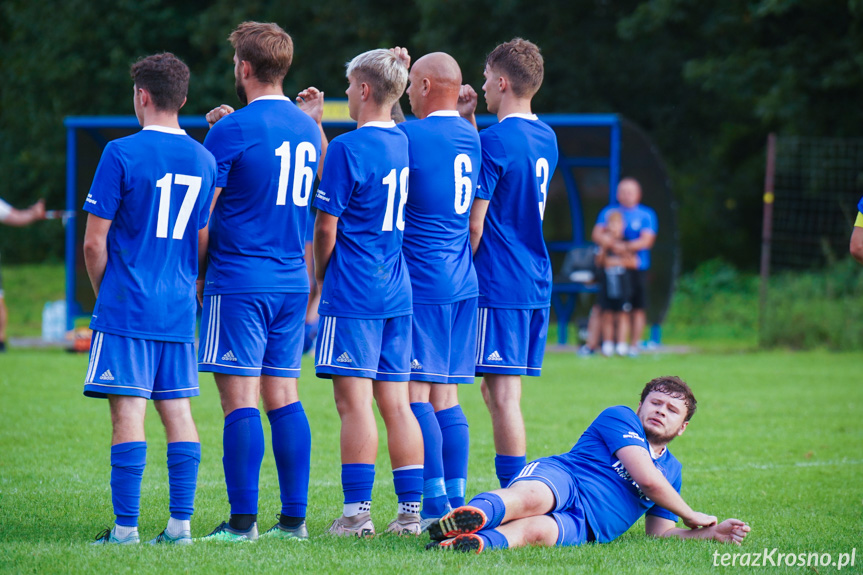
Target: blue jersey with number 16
519	155
156	186
365	185
445	162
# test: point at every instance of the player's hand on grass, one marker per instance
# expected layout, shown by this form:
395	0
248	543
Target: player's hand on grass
217	114
699	520
311	101
731	531
467	99
402	55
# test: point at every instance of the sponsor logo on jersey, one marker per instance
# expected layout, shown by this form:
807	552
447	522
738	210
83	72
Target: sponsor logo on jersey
90	199
494	356
321	195
107	376
229	356
632	435
344	358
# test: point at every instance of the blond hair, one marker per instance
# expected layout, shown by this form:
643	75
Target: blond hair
381	70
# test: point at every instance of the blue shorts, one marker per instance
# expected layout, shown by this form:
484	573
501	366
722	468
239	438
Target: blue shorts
374	348
253	333
572	527
444	340
145	368
511	341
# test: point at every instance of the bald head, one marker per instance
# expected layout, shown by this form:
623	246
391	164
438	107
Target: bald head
435	80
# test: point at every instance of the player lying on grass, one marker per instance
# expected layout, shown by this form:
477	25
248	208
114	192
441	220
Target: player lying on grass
619	470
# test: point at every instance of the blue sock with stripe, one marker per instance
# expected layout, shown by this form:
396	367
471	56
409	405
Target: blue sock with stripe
243	444
292	448
493	507
408	481
183	460
507	466
127	468
493	539
435	502
455	436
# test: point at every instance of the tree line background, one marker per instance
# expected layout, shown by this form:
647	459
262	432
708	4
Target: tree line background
707	80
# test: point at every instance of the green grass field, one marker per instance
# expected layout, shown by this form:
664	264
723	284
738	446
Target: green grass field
777	441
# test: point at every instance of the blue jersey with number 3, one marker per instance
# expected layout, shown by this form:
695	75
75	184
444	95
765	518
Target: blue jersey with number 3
445	161
268	155
156	186
519	155
364	184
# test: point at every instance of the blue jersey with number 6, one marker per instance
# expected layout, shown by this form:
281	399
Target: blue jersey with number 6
519	155
156	186
267	155
445	160
365	185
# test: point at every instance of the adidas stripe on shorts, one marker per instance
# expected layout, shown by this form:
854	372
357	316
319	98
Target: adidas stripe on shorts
568	512
145	368
511	341
373	348
444	340
253	333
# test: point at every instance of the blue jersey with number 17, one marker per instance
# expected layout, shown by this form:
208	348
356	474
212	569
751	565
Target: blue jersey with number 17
268	155
519	155
156	186
364	184
445	162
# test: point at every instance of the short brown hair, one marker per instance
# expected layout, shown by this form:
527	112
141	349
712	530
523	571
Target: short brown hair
676	388
265	46
165	77
520	61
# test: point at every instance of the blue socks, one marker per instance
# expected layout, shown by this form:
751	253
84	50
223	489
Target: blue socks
408	481
183	460
507	466
243	445
292	448
493	507
357	481
435	502
456	437
127	469
493	539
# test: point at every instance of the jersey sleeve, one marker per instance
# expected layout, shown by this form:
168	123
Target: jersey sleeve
5	210
652	221
106	192
339	178
208	193
619	427
662	512
493	165
225	142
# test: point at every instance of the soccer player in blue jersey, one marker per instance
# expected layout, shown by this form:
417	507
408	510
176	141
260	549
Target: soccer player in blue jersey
256	286
364	341
619	469
519	155
445	159
150	196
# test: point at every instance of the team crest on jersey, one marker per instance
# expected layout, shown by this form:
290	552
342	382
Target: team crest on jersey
107	376
344	358
494	356
416	365
229	356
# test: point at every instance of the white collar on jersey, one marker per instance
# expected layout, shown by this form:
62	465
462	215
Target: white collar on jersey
653	454
446	113
271	97
519	115
165	129
390	124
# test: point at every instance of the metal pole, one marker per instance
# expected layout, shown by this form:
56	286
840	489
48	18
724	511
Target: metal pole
766	233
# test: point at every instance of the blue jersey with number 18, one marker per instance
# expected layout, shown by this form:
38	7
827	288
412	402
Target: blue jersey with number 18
156	186
268	155
519	155
364	184
445	160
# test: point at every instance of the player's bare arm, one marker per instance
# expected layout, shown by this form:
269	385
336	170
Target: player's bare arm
467	100
477	222
654	485
326	226
203	246
729	531
311	101
218	113
644	241
96	249
402	54
19	218
856	247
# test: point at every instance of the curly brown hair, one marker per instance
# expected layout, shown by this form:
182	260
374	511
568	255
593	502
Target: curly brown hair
165	77
265	46
520	61
675	387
